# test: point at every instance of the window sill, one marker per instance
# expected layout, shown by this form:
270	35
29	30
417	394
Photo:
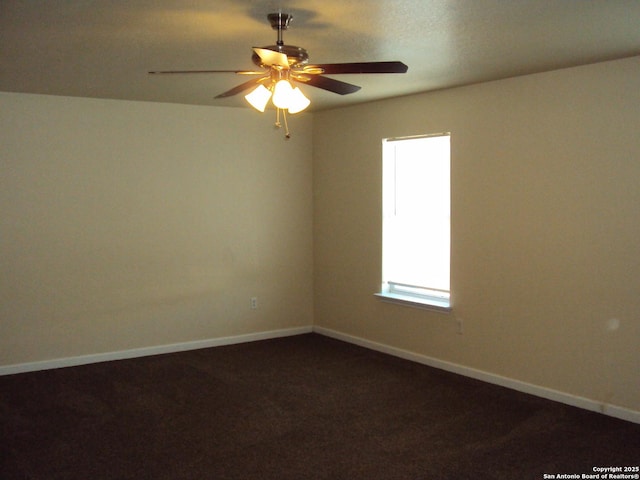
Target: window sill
442	306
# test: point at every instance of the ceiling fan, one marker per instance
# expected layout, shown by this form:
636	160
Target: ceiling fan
282	66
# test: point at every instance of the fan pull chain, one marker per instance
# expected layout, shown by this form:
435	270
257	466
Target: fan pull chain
287	135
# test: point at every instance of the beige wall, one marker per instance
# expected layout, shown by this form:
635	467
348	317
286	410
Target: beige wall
125	225
545	228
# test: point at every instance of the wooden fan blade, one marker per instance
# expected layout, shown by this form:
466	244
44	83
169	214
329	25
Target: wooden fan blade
330	84
363	67
239	72
271	58
241	88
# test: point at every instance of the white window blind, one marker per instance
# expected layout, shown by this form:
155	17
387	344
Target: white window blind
416	220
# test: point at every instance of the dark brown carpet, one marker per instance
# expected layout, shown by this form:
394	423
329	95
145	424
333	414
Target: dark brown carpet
305	407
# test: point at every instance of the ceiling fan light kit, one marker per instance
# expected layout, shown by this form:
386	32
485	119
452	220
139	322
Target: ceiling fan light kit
259	97
286	65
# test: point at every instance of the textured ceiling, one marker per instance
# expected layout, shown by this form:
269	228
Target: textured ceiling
104	48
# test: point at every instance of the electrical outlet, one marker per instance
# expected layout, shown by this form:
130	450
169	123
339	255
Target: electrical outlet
459	326
254	303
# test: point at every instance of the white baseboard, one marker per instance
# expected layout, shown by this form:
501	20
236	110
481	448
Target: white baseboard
550	394
147	351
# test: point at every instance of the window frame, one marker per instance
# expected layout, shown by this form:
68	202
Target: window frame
413	295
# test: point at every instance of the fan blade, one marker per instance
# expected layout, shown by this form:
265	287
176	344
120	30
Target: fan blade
326	83
241	88
271	58
363	67
240	72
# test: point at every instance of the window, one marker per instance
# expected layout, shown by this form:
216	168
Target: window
416	220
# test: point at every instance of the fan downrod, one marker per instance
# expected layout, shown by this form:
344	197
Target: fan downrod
296	56
279	21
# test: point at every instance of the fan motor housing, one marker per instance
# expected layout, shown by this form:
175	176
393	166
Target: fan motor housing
295	55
